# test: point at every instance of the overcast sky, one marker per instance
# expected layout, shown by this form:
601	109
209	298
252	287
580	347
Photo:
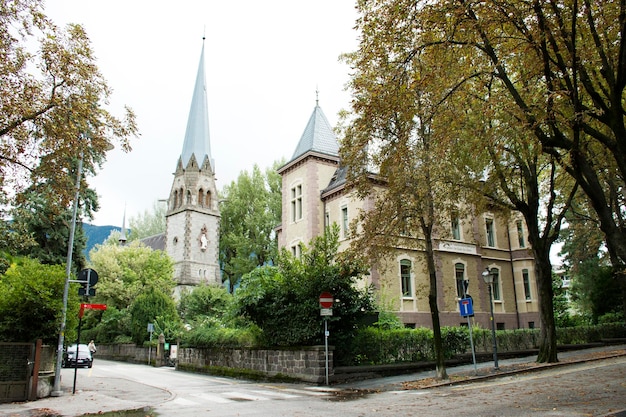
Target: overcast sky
264	62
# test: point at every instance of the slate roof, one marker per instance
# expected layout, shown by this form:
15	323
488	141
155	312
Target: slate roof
318	136
338	179
197	140
156	242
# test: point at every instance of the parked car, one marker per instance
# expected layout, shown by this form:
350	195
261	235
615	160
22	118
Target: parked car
84	357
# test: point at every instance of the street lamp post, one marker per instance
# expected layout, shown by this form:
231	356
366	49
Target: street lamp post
488	278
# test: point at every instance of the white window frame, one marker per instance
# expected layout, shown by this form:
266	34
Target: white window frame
406	280
490	232
526	283
521	239
496	287
455	227
296	203
459	289
345	221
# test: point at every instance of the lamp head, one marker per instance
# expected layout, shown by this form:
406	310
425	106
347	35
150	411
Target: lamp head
487	276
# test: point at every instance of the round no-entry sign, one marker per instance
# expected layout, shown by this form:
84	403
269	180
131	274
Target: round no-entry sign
326	300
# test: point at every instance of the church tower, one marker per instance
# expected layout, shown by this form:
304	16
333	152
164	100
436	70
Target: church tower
192	218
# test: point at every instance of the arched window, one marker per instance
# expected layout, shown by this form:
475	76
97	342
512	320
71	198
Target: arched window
188	197
180	197
201	197
208	199
496	284
174	200
459	273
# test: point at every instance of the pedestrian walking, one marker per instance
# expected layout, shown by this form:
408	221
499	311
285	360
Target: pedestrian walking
92	347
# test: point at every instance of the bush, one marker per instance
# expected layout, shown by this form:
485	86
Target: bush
213	334
284	300
456	341
154	307
31	302
373	346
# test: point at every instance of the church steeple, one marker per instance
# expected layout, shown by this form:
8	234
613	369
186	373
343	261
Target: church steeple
197	140
192	218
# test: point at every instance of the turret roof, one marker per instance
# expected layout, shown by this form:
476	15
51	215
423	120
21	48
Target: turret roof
318	136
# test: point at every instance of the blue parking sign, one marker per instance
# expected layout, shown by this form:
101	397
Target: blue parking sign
466	307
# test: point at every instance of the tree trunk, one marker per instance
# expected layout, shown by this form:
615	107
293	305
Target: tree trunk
547	341
440	360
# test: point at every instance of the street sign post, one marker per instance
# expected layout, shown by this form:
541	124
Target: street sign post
87	279
81	312
466	307
326	309
326	300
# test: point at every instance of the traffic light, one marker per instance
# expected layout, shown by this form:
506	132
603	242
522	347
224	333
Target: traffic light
87	279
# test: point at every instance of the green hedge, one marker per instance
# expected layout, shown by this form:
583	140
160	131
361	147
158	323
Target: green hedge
375	346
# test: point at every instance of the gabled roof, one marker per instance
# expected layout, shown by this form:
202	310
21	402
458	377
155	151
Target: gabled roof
197	140
318	136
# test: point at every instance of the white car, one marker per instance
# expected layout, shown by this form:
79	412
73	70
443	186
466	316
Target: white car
84	357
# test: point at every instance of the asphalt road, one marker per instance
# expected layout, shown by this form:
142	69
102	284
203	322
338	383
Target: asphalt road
593	388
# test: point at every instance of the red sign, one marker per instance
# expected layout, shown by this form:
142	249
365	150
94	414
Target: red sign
92	307
326	300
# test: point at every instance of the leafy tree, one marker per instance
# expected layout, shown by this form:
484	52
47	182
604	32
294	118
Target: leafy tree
110	326
411	201
14	238
52	110
595	290
153	306
493	101
250	211
284	300
205	301
149	223
31	302
563	314
125	272
556	67
595	286
50	228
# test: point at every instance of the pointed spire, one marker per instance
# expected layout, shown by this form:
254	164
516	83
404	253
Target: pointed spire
197	140
318	135
122	238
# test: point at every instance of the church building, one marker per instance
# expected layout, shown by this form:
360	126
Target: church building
314	195
192	219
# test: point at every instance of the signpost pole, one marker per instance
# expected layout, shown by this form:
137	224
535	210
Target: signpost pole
80	323
150	330
326	345
326	309
469	325
468	313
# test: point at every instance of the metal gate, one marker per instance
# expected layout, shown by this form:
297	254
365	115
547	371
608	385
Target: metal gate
16	360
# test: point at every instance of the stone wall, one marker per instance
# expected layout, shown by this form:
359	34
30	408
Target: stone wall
125	353
305	364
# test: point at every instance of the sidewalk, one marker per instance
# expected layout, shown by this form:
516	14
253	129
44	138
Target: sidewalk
117	394
484	370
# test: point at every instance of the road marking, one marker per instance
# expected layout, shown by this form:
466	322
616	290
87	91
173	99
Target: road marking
215	398
243	396
179	401
276	394
308	392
